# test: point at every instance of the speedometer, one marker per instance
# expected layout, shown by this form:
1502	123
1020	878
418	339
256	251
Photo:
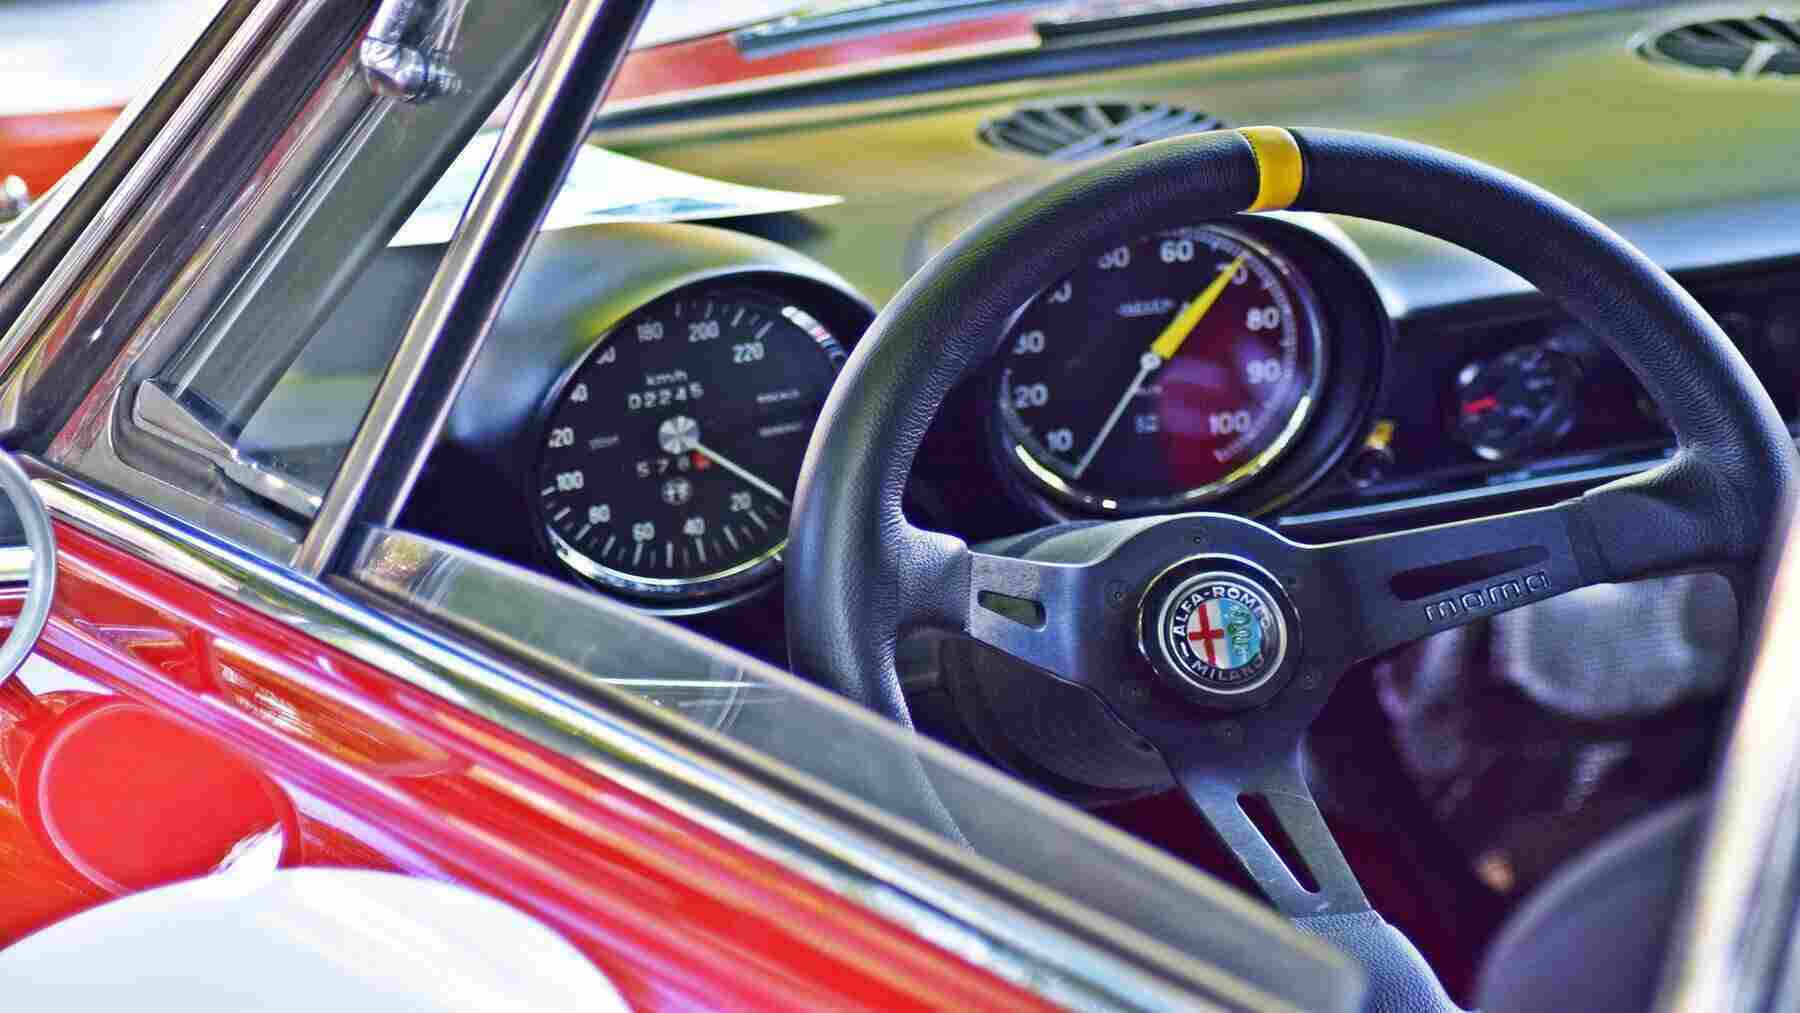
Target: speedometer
1162	373
670	454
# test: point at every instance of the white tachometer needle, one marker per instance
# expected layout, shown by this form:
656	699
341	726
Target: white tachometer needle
1162	350
1147	364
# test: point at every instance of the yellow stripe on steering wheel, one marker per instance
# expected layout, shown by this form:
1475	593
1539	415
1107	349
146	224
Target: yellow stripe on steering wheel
1278	166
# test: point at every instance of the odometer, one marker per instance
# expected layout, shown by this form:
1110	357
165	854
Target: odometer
1162	373
669	456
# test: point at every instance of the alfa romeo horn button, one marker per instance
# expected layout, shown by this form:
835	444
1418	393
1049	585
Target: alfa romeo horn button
1221	633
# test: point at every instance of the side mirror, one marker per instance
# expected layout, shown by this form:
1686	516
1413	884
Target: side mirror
14	198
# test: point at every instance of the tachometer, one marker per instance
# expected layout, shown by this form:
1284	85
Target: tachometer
671	453
1162	373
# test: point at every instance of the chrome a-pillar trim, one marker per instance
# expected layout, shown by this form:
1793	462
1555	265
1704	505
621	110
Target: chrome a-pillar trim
76	223
995	918
555	111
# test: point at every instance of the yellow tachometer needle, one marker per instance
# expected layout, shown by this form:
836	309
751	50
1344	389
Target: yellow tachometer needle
1169	341
1161	350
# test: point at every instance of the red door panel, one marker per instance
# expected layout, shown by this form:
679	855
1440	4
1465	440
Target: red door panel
216	727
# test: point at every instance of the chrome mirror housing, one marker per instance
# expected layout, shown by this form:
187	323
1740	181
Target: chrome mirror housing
14	198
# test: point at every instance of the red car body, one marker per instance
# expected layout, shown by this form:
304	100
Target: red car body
208	723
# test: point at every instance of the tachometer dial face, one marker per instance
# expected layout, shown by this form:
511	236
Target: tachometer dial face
669	457
1161	373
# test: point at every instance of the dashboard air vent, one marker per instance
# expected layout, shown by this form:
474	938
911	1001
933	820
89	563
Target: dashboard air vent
1072	130
1749	46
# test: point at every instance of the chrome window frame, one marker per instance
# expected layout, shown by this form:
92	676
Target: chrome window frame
82	212
88	343
120	295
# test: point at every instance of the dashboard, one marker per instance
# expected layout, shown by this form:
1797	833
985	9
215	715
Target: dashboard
638	425
637	421
646	441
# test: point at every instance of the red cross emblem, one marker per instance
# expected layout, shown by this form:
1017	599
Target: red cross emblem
1205	635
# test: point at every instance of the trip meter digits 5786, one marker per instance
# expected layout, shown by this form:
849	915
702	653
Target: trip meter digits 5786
669	456
1162	373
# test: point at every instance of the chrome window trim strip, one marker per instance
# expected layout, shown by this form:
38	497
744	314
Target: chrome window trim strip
943	894
1734	945
547	128
23	341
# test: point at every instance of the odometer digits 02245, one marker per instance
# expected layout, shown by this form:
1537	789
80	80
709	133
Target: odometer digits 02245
1162	373
670	455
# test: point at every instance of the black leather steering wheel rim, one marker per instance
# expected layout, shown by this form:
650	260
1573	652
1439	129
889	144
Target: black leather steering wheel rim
849	541
859	575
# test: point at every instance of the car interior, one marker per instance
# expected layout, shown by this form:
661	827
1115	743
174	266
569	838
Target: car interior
1331	444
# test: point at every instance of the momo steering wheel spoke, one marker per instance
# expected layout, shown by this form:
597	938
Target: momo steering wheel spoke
1033	610
1374	594
1266	817
1389	590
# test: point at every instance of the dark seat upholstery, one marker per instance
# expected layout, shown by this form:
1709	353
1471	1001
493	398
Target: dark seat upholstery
1594	936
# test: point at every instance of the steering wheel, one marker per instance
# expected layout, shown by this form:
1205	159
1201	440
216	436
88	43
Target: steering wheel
1112	607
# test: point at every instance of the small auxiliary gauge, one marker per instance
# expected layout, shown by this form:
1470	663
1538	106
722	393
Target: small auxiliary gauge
1519	401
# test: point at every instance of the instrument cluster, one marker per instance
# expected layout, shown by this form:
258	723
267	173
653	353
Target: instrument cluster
641	415
649	395
1223	365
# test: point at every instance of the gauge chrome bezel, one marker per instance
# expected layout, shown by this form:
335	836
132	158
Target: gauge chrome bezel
723	587
1043	479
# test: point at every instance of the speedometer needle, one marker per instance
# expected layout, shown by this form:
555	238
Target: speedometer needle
1161	350
680	433
729	465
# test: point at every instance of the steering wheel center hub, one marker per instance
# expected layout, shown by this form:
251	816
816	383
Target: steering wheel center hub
1218	629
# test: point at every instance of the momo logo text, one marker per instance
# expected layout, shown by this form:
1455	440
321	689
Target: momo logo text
1499	595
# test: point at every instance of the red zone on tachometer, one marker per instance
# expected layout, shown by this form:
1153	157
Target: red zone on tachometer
1164	372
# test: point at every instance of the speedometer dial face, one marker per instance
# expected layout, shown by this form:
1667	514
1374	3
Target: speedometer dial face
1161	373
670	455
